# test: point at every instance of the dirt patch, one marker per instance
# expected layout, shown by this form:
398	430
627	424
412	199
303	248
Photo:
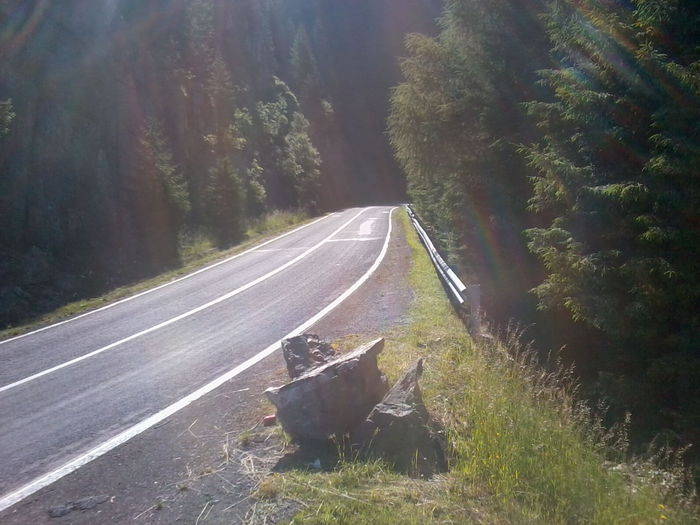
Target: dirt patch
204	463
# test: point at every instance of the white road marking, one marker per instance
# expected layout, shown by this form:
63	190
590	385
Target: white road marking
183	315
357	239
224	261
366	227
45	480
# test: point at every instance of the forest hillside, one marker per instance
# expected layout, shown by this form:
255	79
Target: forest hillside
130	128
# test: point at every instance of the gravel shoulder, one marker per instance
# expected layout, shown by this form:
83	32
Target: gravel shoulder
203	464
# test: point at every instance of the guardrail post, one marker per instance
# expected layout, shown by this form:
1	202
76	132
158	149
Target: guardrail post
473	297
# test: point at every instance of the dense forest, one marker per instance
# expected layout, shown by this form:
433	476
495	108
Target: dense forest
554	146
128	128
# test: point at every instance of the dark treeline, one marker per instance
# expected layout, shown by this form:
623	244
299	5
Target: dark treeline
556	145
128	127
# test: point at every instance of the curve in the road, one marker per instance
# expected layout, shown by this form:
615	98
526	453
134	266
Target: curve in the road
184	315
45	480
169	283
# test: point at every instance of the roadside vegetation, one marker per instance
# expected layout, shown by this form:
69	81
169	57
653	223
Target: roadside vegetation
196	251
552	148
523	448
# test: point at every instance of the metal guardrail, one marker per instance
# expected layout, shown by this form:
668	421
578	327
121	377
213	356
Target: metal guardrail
461	295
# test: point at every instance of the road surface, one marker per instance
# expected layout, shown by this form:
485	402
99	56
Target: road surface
75	390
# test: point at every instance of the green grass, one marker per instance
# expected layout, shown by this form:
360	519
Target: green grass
522	448
362	493
196	250
276	221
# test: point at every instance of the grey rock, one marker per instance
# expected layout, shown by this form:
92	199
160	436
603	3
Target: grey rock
90	502
407	390
333	398
86	503
398	430
60	510
304	352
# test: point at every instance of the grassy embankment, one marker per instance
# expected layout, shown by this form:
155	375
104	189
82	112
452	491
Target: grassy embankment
522	449
195	252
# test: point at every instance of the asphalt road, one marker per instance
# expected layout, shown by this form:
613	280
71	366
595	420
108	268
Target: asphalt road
71	388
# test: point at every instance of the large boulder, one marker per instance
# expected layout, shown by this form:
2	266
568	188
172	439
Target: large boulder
333	398
398	430
304	352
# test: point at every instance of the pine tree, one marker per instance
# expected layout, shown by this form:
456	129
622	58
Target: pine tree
291	161
200	30
255	191
617	183
221	92
305	72
156	157
6	116
225	200
454	126
301	163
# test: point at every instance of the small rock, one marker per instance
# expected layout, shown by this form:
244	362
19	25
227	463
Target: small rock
304	352
60	510
90	502
333	398
87	503
269	421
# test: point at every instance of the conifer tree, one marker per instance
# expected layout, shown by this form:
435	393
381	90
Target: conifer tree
225	200
200	30
454	125
156	157
302	162
6	116
221	92
617	182
305	73
291	160
255	191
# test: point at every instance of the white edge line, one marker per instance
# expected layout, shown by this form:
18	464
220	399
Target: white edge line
140	294
43	481
184	315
